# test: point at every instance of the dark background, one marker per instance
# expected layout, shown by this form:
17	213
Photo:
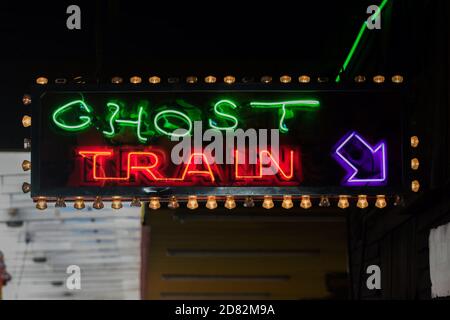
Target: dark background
242	38
312	37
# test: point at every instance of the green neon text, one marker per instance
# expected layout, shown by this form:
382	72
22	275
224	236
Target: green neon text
167	121
218	109
305	105
85	120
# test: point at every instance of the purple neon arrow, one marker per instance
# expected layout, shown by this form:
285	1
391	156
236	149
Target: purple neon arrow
374	160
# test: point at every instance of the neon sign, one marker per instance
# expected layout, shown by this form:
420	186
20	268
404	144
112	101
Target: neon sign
130	167
369	161
114	112
104	142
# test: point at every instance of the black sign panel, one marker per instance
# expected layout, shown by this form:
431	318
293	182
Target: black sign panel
146	141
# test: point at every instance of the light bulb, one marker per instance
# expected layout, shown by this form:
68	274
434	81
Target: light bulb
285	79
415	164
266	79
324	202
210	79
191	79
154	203
304	79
135	80
42	80
414	141
26	121
343	202
378	79
26	165
248	202
415	186
229	79
98	203
173	203
60	203
230	203
116	80
362	202
26	99
397	78
79	203
154	79
116	203
268	202
360	79
192	202
380	202
211	203
305	203
135	202
41	203
26	187
287	202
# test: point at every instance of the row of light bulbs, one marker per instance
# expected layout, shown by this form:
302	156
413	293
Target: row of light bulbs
229	79
230	202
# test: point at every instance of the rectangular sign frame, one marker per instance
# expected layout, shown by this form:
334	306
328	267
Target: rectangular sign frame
127	192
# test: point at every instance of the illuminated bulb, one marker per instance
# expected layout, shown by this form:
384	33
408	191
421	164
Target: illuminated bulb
26	187
230	203
26	165
210	79
306	202
304	79
173	203
135	80
26	100
415	186
343	202
397	78
154	203
324	202
249	203
192	202
266	79
211	203
378	79
285	79
42	80
26	121
362	202
41	203
414	141
287	202
116	80
381	202
154	79
135	202
414	163
98	203
60	203
191	79
116	203
229	79
268	202
360	79
79	203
